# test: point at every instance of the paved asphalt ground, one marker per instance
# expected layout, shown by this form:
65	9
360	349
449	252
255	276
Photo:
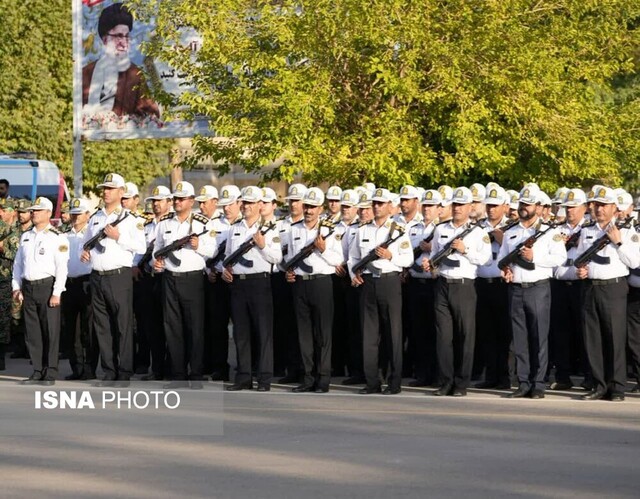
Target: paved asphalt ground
340	444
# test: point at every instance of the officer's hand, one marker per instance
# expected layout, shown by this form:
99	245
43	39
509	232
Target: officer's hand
136	273
112	232
341	271
54	301
582	272
425	246
194	241
85	256
158	265
614	234
212	276
320	243
259	239
290	276
227	275
17	296
498	235
527	253
458	245
426	265
357	280
383	253
507	274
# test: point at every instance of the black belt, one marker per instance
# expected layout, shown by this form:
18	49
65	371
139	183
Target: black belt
383	275
257	275
525	285
311	277
456	280
79	278
605	282
35	282
184	274
490	280
103	273
569	282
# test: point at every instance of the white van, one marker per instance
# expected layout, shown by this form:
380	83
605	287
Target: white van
31	178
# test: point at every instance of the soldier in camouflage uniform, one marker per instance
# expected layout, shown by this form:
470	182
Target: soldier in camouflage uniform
9	240
65	217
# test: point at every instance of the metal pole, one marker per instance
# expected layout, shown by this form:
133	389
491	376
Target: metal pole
76	21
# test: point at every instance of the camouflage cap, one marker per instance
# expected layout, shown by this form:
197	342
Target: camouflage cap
7	204
22	205
64	207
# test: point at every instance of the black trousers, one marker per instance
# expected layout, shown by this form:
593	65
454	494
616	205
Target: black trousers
252	309
530	310
341	324
354	330
78	326
151	321
423	329
313	305
286	348
604	322
381	315
183	311
493	328
216	336
455	314
42	325
633	329
141	347
408	343
112	301
567	344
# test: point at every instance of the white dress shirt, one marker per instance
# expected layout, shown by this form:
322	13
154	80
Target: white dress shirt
77	267
418	233
491	270
262	259
171	228
321	263
566	271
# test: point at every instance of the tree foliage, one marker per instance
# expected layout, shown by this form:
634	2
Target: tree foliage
402	91
36	105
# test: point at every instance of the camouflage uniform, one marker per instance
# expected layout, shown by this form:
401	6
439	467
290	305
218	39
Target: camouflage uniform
17	320
10	237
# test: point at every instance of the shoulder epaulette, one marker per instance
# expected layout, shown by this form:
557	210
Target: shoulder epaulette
95	213
199	217
280	219
55	231
355	222
168	216
512	227
443	222
362	224
296	223
149	221
590	223
68	229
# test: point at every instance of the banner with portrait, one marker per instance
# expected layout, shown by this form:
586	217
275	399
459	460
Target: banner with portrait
113	79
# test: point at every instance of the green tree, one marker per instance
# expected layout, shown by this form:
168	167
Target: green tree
36	105
401	91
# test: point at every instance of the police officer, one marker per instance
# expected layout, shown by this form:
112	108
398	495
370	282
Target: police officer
250	285
529	291
633	318
183	285
455	294
65	217
604	296
313	291
76	300
39	276
9	242
333	196
111	282
381	298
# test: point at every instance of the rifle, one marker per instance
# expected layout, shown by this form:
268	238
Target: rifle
94	242
238	255
178	244
212	262
514	255
443	254
598	244
298	260
417	251
504	228
146	258
372	256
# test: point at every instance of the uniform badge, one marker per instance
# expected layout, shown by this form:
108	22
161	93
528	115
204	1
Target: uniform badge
140	226
635	238
63	248
41	252
557	238
486	239
338	237
213	233
405	245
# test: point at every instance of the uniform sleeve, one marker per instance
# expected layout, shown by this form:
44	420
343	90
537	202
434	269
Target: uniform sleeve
354	253
272	251
207	246
18	269
402	254
132	235
159	242
551	254
479	249
61	258
435	244
332	254
629	250
11	244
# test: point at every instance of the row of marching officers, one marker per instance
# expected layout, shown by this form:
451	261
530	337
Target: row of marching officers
357	286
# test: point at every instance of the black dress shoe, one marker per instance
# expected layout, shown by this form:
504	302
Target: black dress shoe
443	391
34	379
392	391
617	397
561	385
86	376
636	389
152	377
264	388
354	380
367	390
537	394
459	392
587	385
73	377
521	392
236	387
303	388
176	384
486	385
594	395
322	389
417	383
106	383
289	378
504	385
220	376
196	384
48	381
